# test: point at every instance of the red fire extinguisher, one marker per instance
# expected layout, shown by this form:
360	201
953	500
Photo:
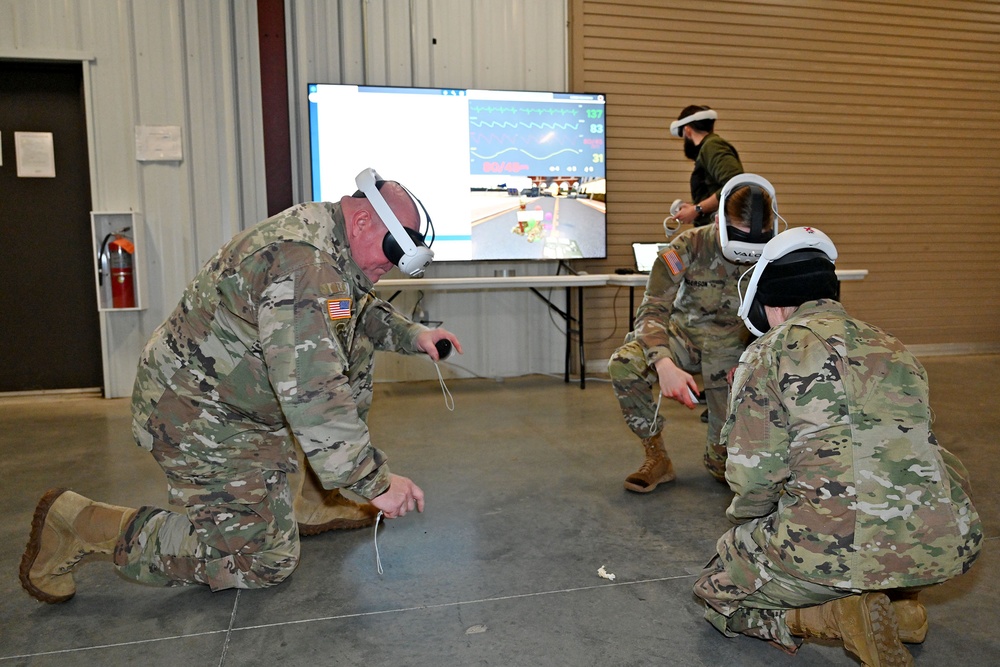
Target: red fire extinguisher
120	256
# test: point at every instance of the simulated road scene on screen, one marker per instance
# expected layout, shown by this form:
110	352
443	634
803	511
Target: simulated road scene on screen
564	226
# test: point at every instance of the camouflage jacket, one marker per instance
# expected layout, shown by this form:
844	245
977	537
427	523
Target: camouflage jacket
695	287
838	477
258	350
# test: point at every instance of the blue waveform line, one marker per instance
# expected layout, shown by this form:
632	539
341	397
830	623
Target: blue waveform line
521	150
537	126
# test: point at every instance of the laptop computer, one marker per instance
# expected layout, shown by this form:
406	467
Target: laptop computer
645	255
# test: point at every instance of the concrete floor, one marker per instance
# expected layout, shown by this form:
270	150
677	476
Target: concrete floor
524	504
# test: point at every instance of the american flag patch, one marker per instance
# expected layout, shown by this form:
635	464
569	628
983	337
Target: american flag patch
673	260
339	309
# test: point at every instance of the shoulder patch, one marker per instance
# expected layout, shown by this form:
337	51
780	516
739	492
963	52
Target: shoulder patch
334	288
672	260
339	309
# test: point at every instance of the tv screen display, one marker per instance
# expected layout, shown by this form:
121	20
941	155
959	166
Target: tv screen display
504	175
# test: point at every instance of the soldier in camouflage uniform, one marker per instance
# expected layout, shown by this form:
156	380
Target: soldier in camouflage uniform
842	492
273	342
686	323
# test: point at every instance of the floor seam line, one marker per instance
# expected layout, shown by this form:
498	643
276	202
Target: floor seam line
115	645
460	603
229	630
232	628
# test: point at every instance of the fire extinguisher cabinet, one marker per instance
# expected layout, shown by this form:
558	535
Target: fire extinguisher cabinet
119	260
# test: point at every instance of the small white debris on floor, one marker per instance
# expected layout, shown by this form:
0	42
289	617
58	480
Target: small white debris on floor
604	574
475	629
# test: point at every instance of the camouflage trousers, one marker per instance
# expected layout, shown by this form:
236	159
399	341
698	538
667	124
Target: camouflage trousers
760	613
636	385
231	545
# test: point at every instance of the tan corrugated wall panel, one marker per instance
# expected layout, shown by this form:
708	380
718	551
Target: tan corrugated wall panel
877	122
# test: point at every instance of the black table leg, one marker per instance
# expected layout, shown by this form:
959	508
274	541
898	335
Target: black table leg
579	317
569	334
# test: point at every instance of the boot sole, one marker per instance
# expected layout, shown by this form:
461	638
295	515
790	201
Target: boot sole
35	545
884	633
337	524
629	486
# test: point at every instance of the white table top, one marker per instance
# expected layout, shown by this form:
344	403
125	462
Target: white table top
493	282
524	282
639	279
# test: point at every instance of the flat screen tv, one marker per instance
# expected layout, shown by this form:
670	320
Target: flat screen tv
504	175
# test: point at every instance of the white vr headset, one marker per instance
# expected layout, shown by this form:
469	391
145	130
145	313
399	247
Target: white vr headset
788	241
677	127
748	248
406	248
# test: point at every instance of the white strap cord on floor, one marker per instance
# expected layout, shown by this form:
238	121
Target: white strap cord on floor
378	559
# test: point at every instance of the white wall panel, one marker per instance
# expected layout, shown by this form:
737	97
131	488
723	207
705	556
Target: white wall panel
453	36
508	44
188	63
420	44
113	178
249	202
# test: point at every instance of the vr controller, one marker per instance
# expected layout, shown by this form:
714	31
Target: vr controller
444	348
674	208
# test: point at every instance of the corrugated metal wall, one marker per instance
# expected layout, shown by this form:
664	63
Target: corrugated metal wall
195	64
187	63
878	122
505	44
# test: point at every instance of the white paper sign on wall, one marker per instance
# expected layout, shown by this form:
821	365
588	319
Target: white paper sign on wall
158	143
35	155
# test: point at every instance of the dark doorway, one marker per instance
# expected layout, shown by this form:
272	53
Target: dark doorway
50	336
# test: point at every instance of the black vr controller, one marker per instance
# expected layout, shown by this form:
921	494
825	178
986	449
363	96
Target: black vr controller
444	348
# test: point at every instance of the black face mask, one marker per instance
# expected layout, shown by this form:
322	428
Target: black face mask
691	149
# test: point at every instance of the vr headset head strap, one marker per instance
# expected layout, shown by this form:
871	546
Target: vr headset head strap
756	212
404	247
677	127
742	250
797	238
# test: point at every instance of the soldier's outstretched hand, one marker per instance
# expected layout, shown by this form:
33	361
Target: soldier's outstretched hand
427	339
403	496
676	383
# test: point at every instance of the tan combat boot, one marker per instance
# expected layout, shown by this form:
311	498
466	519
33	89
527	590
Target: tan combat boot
865	623
318	510
655	470
912	620
66	527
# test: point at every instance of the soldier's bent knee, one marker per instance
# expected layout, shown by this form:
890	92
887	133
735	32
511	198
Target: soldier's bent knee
258	570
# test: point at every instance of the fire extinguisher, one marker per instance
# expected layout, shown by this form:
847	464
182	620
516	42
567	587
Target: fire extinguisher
120	258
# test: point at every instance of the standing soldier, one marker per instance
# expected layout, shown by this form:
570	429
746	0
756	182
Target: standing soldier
846	505
688	323
716	162
272	343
